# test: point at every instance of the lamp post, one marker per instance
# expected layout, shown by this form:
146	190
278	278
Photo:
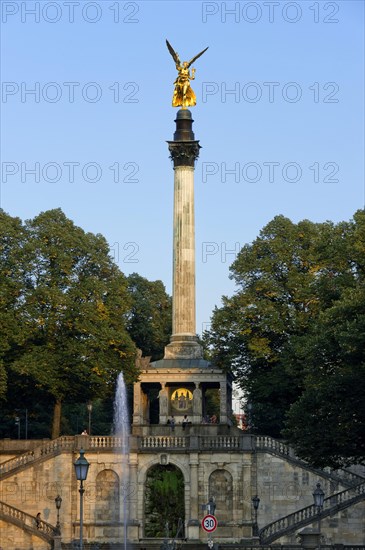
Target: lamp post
89	408
81	469
17	423
255	503
58	501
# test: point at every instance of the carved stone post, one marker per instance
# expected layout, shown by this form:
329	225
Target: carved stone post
137	404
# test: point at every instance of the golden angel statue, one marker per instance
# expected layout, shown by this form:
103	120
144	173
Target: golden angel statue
184	95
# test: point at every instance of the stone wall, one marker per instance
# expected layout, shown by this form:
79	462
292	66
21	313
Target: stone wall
232	476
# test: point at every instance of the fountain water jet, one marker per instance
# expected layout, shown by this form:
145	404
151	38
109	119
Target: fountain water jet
121	430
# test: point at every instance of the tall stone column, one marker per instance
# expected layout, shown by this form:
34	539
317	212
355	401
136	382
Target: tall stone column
184	151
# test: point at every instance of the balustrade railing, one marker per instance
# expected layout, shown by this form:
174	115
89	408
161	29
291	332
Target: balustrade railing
306	515
265	442
46	449
104	442
220	442
162	442
42	527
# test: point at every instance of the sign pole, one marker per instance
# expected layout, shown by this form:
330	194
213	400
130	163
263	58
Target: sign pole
209	524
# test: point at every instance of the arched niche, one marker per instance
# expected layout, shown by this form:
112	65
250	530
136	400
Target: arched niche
107	505
221	489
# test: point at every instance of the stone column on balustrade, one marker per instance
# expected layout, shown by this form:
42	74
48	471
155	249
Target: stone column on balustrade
193	522
197	404
163	399
137	404
223	403
133	529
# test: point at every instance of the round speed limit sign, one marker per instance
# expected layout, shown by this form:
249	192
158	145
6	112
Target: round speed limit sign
209	523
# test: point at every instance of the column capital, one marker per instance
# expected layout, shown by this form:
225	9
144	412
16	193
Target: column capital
184	153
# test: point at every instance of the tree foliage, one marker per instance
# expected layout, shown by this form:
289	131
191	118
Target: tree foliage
164	501
284	334
149	317
64	311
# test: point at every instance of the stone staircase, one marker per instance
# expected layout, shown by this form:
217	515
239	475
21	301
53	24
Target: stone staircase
354	493
278	448
292	522
55	447
29	523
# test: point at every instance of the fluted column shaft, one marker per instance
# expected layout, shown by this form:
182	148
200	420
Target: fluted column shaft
183	315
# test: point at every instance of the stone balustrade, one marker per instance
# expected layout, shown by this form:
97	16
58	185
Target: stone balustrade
307	515
163	442
43	529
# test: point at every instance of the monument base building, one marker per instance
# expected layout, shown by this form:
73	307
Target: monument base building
216	461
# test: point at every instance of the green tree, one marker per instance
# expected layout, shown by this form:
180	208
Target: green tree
150	316
332	357
285	278
326	425
74	304
12	268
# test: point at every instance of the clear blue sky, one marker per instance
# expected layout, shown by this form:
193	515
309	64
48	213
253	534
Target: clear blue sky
291	130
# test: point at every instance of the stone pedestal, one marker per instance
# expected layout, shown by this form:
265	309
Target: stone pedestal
310	538
183	347
57	542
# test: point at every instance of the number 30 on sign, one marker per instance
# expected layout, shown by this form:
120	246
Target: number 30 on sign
209	523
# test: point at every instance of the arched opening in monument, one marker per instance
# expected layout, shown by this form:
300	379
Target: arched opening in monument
150	406
211	405
164	506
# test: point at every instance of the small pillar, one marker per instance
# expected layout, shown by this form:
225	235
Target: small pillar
163	399
310	538
137	404
197	405
223	404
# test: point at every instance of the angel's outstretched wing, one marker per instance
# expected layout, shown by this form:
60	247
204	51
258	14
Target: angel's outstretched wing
196	57
173	53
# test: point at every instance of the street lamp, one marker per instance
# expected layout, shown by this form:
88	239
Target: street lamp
81	469
318	496
58	501
17	423
89	408
255	503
